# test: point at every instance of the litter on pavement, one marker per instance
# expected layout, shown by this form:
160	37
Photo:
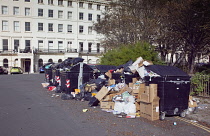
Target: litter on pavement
135	89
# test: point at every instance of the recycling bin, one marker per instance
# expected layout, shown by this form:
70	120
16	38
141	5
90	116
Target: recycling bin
102	69
173	89
56	77
70	79
48	76
48	73
63	86
118	77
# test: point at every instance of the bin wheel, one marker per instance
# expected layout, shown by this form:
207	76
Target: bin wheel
183	114
162	115
195	111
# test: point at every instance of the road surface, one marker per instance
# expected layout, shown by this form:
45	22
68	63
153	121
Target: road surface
28	109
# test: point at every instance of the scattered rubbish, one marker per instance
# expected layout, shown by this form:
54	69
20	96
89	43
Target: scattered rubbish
131	115
51	88
84	110
193	121
67	97
203	106
175	123
127	91
45	85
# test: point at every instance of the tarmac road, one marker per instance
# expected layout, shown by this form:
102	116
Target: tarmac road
28	109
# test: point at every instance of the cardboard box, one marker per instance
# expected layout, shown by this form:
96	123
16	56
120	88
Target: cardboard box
102	93
107	105
90	87
147	90
109	74
138	88
111	82
150	111
192	103
142	87
130	85
134	80
108	97
145	98
137	106
152	91
152	117
123	89
135	91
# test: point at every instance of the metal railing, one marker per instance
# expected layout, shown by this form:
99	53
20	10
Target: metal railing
15	51
47	50
203	85
10	51
83	52
25	51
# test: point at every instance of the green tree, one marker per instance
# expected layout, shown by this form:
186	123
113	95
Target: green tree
124	53
177	28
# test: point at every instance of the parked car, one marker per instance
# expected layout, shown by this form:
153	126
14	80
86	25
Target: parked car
41	69
3	70
16	70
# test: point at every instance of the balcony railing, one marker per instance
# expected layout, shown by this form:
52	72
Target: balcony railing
90	52
82	52
45	50
25	50
15	51
36	50
10	51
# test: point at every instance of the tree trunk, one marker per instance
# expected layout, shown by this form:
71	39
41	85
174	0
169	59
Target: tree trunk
191	61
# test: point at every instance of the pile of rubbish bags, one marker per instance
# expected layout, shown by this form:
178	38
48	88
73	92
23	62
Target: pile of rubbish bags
121	90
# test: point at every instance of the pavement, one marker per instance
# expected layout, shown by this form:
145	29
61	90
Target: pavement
202	114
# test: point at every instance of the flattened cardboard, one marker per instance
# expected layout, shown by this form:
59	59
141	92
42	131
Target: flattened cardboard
109	74
125	88
192	103
111	82
102	93
108	97
106	105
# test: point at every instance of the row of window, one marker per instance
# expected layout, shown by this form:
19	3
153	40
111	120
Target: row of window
16	11
50	45
16	27
69	4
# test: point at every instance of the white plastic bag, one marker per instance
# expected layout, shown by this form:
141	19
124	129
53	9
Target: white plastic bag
118	107
129	108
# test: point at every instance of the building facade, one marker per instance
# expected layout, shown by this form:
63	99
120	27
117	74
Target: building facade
35	32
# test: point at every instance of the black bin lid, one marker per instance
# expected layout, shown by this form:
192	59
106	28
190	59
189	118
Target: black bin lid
105	68
76	68
166	70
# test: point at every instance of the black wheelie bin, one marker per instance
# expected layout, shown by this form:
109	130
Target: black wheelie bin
48	73
56	74
173	89
72	77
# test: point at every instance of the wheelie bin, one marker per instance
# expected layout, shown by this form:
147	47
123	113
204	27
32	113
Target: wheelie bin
48	73
71	78
173	89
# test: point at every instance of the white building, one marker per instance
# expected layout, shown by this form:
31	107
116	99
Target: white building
34	32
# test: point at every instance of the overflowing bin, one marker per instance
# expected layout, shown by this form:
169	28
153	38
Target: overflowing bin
102	69
173	89
70	79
